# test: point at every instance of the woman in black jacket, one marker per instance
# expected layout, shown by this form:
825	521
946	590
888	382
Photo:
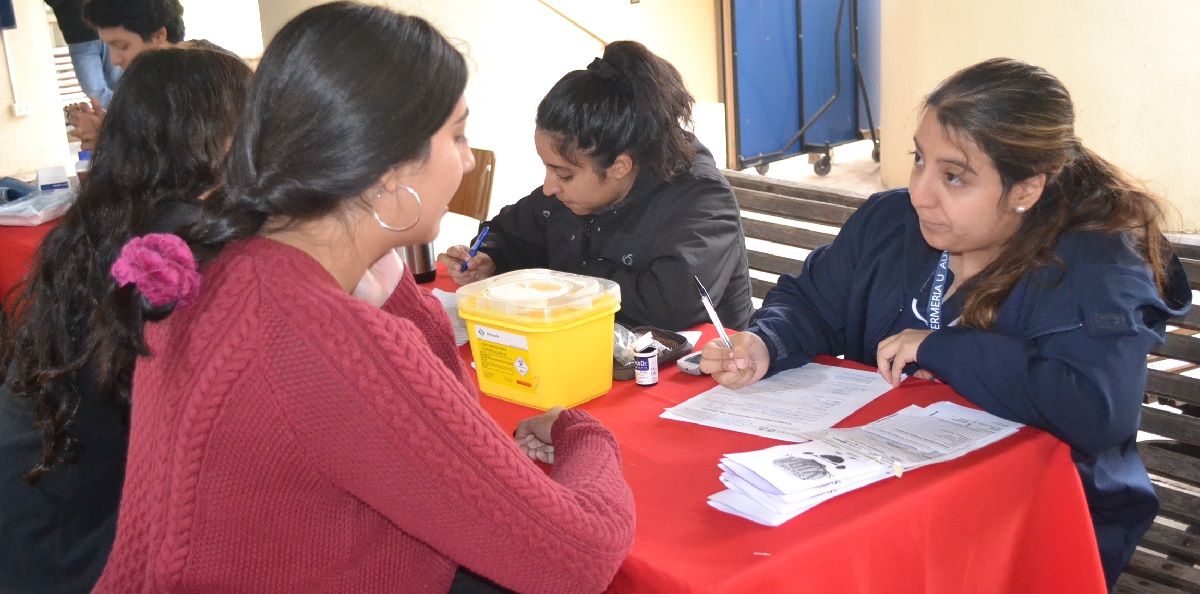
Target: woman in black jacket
629	195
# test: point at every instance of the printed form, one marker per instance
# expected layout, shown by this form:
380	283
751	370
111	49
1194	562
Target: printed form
787	405
915	436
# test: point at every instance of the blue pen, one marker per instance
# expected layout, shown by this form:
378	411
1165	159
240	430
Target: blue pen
475	247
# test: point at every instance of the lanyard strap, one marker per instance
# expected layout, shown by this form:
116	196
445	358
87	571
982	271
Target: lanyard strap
933	310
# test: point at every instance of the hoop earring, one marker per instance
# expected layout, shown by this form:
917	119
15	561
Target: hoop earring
389	227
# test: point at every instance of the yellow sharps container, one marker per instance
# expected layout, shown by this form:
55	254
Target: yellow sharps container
541	338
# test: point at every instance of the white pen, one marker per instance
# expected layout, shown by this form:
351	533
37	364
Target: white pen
712	313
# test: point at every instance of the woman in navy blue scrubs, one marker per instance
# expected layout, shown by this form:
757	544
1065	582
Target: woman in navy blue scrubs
1018	267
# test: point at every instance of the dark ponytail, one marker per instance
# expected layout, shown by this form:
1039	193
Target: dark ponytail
630	101
72	332
344	92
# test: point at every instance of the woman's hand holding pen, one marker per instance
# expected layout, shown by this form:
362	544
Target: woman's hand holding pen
479	266
533	435
744	364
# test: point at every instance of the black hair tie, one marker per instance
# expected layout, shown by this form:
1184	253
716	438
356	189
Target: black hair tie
605	71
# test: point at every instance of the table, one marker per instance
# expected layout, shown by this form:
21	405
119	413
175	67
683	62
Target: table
17	247
1008	518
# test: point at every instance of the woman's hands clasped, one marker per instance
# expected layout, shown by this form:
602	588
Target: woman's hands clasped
87	119
533	435
479	266
744	364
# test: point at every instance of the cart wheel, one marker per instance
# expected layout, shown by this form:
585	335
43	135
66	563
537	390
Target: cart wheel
762	168
822	166
875	153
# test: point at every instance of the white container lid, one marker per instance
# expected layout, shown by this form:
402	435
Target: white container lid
538	296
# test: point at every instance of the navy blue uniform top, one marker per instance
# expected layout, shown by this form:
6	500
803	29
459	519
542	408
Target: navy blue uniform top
1067	352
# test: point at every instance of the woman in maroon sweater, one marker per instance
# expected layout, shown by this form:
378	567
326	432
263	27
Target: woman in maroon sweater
288	436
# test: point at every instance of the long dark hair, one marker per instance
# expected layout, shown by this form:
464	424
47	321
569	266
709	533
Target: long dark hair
1023	118
143	17
161	143
344	92
630	101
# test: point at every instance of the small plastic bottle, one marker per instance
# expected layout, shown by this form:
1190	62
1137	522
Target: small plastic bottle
645	360
83	166
645	367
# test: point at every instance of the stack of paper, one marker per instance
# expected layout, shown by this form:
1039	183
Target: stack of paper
774	485
450	303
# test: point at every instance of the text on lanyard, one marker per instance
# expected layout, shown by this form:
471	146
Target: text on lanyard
933	311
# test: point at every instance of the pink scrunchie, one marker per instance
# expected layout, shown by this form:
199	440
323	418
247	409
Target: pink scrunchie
162	267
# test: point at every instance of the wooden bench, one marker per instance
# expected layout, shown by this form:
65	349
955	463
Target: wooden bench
1169	552
783	220
793	216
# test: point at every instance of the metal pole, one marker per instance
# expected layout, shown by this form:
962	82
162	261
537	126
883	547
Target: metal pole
12	80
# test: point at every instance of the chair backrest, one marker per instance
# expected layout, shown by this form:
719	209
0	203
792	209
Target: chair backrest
475	192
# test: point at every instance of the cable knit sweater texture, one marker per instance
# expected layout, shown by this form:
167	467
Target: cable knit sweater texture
287	437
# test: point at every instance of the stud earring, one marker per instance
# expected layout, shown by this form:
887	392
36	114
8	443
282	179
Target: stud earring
1020	209
375	212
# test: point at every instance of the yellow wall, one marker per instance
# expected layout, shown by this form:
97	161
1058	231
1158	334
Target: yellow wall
518	49
685	32
1133	69
38	139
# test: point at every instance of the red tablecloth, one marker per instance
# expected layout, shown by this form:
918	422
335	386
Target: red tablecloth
1008	518
17	246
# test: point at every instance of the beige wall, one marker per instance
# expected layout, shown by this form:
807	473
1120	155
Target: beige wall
685	32
231	24
1133	69
38	139
518	49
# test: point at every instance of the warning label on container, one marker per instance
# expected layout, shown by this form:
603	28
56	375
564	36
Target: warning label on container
503	359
